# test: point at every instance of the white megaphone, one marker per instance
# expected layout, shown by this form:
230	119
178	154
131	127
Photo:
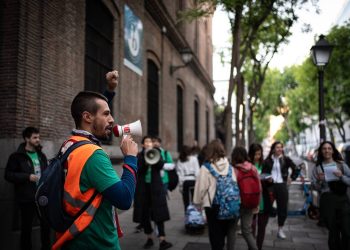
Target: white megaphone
152	156
128	129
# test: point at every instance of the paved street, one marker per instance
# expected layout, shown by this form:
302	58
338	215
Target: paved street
302	233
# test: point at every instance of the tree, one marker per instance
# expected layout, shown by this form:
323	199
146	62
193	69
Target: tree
337	79
247	19
269	38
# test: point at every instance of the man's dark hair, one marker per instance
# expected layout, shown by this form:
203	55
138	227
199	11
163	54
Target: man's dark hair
28	131
85	101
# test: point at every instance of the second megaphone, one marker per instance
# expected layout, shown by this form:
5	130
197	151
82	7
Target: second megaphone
128	129
152	156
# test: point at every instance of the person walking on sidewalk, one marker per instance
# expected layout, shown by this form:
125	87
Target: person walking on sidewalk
23	169
331	177
150	198
187	168
246	172
277	164
260	219
205	192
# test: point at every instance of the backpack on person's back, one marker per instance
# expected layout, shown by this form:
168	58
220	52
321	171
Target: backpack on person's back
227	195
249	187
49	195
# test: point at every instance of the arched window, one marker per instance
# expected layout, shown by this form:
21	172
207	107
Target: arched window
153	98
196	120
179	117
98	45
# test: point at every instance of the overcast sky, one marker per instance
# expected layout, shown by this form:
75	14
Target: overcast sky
294	52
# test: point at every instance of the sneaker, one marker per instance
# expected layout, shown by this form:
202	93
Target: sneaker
281	234
164	245
149	243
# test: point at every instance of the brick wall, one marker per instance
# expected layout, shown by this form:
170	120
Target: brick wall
42	54
42	68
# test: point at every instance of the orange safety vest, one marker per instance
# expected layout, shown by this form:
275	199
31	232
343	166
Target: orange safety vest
73	199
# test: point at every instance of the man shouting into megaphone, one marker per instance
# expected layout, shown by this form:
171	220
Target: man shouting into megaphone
90	175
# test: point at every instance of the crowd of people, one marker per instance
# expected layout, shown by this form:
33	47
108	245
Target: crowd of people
224	189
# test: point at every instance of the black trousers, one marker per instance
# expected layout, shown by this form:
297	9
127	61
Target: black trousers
187	187
218	229
28	212
335	212
146	215
260	220
280	194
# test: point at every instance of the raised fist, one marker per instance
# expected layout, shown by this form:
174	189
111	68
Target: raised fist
112	80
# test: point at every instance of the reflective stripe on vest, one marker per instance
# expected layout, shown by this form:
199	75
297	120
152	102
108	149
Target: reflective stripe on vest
73	199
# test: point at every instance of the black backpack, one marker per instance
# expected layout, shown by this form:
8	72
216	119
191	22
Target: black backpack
49	195
172	175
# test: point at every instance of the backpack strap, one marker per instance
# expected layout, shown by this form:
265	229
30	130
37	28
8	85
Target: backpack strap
322	167
211	169
63	158
229	173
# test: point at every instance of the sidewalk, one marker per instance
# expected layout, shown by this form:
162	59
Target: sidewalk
301	232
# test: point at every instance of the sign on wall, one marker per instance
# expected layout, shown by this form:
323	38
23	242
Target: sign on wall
133	37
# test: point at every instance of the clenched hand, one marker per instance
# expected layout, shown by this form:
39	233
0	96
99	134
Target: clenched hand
128	146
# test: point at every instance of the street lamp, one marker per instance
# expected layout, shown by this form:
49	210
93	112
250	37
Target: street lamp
186	55
321	52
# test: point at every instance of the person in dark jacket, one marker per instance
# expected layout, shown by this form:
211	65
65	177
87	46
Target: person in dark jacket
23	169
260	219
277	164
331	177
150	202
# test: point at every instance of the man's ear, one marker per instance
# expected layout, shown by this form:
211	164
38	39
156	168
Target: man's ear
87	117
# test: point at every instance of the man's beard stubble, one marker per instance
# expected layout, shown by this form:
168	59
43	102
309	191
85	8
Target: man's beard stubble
104	136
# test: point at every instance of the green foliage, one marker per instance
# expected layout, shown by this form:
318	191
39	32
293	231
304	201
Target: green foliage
337	73
282	134
258	28
299	87
261	126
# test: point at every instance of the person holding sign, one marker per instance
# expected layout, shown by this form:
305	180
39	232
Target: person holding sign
331	177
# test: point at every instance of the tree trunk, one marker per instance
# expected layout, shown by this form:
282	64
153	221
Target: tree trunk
251	133
236	34
239	111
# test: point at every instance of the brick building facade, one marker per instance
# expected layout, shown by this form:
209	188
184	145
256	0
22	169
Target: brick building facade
51	50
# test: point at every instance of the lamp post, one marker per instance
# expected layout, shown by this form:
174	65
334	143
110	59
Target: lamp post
321	53
186	56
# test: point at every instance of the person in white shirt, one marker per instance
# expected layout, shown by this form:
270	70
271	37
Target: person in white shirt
277	164
187	168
